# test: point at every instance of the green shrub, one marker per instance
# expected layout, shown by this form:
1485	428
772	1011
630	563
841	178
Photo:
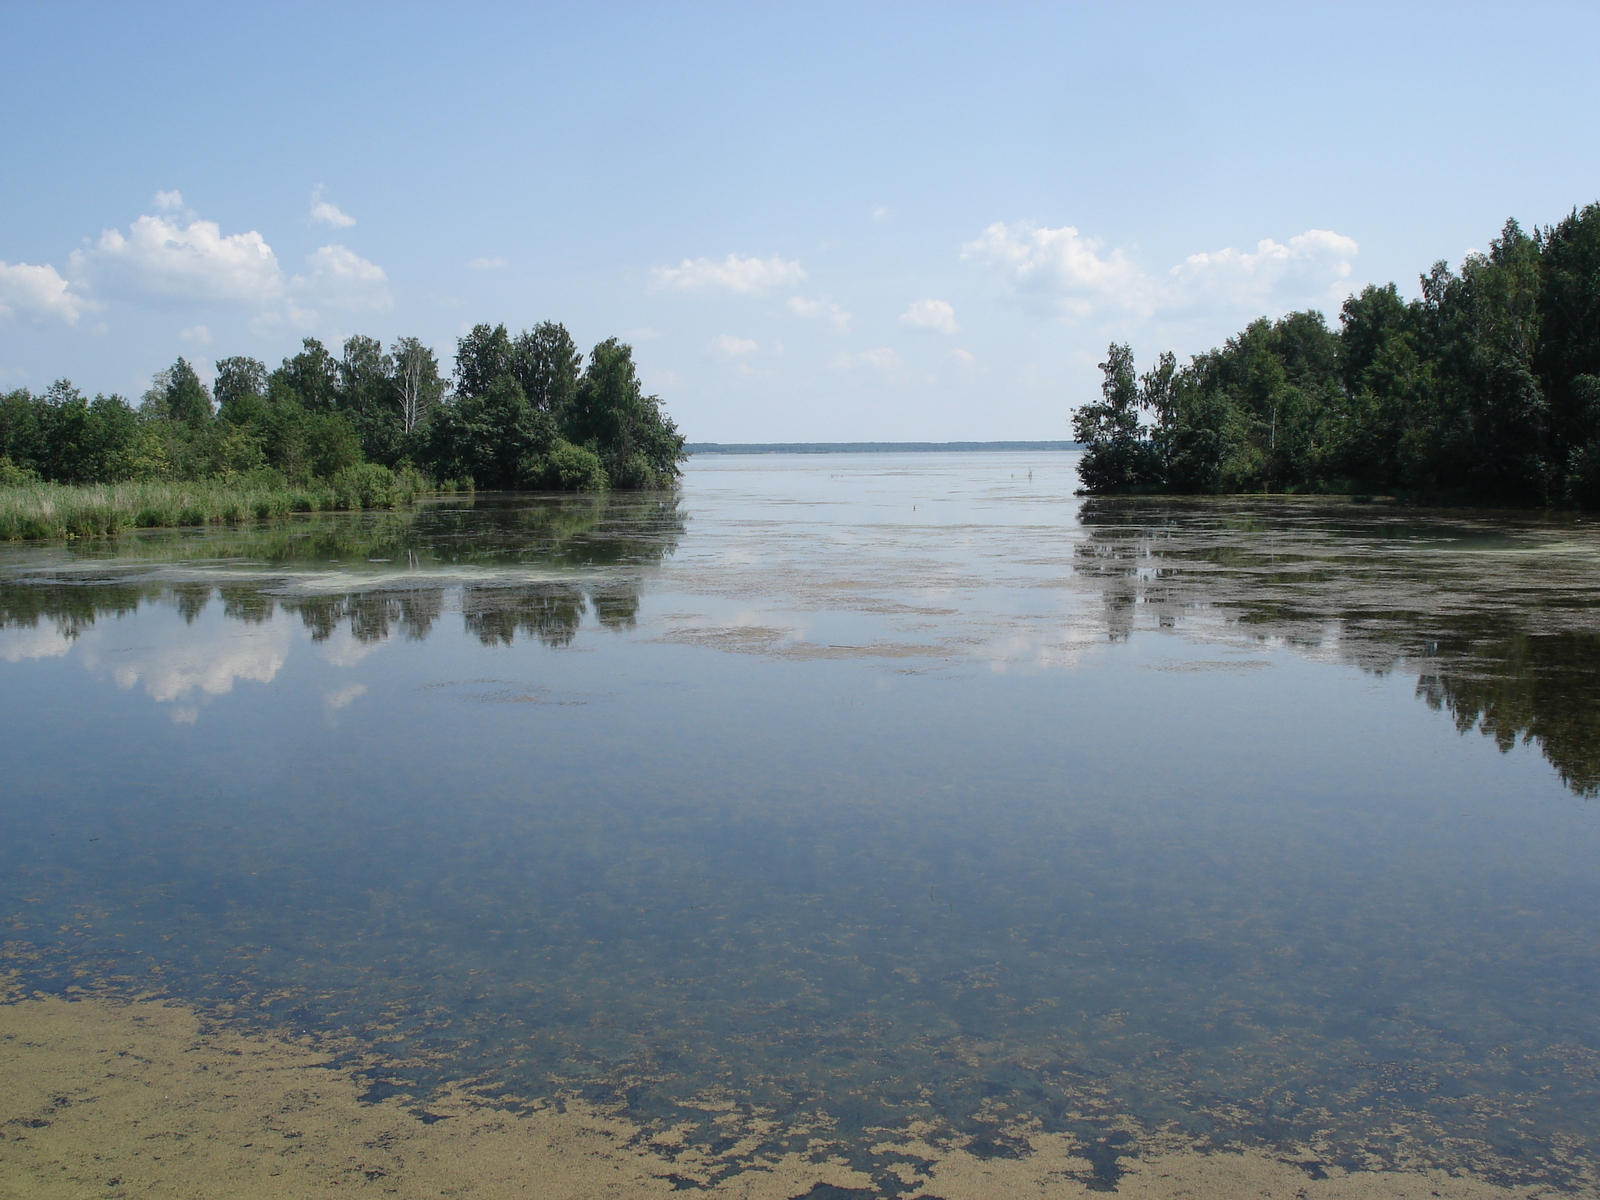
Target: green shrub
12	475
574	469
635	472
366	485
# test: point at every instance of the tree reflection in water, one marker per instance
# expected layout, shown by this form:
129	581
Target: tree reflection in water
412	566
1493	611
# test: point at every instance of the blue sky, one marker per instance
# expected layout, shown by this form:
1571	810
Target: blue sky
813	221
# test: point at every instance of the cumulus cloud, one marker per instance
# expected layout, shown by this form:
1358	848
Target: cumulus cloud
195	335
38	292
1077	277
169	201
488	264
936	315
164	263
1311	267
341	278
734	347
882	359
801	307
962	357
746	276
325	212
168	262
1061	266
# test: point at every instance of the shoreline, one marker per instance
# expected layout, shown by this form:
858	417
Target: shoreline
128	1097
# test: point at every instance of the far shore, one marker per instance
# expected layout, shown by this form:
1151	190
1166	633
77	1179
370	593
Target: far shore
865	447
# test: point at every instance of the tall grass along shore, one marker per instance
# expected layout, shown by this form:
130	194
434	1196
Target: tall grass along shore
55	511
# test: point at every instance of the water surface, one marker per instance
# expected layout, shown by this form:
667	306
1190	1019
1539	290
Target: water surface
838	795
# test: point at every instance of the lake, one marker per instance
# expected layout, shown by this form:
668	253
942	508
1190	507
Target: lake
856	806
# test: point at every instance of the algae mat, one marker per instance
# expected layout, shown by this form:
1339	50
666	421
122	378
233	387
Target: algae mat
145	1098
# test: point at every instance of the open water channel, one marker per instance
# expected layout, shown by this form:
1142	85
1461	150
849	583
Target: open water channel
850	793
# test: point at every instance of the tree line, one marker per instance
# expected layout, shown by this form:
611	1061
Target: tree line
1486	388
521	412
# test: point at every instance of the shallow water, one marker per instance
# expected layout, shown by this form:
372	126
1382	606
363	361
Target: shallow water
845	792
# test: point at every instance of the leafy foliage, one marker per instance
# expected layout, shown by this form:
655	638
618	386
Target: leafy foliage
1485	388
524	413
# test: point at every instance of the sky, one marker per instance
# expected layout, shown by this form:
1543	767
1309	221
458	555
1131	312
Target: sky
813	222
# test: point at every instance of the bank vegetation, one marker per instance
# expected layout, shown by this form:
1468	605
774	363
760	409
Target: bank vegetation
372	427
1484	389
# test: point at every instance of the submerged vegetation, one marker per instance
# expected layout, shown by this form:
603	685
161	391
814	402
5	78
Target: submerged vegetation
1487	388
369	429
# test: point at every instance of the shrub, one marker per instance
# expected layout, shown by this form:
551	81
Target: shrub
12	475
574	469
367	485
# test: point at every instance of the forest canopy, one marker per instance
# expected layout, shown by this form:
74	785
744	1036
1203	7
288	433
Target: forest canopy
1486	388
524	411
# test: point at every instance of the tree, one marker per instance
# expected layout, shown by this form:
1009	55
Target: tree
546	362
638	445
1568	359
417	381
1117	454
482	356
313	377
369	397
240	389
177	395
238	377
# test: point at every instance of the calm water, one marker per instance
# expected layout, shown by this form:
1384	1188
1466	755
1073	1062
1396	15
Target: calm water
849	791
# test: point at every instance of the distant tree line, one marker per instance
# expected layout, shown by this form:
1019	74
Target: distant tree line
1487	388
522	411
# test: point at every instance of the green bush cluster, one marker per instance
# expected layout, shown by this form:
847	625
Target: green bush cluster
1486	388
524	412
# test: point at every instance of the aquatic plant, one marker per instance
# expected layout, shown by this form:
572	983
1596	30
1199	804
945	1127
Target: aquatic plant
34	510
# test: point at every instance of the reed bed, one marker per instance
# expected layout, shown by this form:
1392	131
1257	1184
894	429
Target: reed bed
52	511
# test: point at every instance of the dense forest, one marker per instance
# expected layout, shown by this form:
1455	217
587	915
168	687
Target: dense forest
1487	388
523	412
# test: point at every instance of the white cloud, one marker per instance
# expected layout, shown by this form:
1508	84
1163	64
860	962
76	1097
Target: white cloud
1072	274
488	264
801	307
195	335
882	359
930	314
880	212
169	201
747	276
645	333
39	291
1061	266
325	212
733	347
1312	267
963	357
162	263
341	278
